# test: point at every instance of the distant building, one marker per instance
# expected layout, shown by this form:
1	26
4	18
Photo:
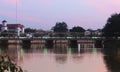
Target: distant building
98	32
14	28
90	32
87	33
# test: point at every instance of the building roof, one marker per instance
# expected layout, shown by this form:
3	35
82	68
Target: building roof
13	25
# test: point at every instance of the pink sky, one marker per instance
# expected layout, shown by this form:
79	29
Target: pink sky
45	13
11	2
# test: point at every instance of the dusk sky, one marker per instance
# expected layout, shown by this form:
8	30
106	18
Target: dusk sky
43	14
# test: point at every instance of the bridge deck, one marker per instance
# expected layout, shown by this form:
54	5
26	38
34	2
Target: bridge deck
53	38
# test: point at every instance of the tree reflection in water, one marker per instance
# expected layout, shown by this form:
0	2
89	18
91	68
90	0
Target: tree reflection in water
64	55
60	50
112	55
61	58
112	63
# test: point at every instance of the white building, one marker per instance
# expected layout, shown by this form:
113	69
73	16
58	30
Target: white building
14	28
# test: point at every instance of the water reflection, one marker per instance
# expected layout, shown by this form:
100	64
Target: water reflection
60	50
15	52
112	55
59	59
112	63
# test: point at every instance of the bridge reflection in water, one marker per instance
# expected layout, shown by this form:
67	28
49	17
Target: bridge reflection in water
37	58
63	55
62	58
57	55
16	49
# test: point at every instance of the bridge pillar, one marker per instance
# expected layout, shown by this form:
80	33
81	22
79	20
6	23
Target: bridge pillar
86	43
26	43
49	43
61	43
73	43
15	41
4	43
38	43
98	44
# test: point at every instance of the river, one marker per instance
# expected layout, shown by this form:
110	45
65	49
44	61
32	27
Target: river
37	59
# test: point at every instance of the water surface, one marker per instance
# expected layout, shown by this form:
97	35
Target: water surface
57	59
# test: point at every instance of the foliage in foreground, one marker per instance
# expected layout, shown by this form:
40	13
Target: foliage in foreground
7	66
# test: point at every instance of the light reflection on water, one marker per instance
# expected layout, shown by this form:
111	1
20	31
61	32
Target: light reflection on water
57	59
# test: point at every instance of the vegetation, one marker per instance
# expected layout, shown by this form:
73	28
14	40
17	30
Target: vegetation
112	27
38	35
30	30
7	65
4	34
60	27
77	31
59	30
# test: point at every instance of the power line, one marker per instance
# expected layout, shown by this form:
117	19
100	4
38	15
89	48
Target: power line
16	11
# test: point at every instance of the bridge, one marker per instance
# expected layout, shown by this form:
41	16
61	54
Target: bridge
50	42
51	38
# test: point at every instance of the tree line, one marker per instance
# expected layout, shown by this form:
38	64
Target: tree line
111	28
59	27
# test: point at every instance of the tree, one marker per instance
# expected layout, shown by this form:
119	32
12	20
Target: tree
60	27
112	27
6	65
5	33
29	30
77	31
